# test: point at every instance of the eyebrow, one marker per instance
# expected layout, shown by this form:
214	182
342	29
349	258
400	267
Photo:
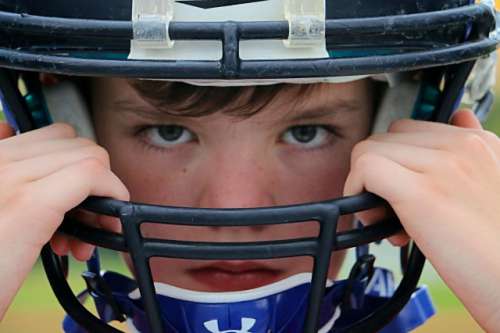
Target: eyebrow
145	111
322	111
296	114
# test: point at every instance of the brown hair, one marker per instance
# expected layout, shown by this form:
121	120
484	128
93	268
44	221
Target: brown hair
182	99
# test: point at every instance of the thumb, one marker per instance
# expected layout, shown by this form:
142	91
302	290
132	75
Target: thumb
466	119
5	130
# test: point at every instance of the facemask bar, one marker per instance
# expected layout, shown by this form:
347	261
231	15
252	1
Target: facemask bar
480	17
320	248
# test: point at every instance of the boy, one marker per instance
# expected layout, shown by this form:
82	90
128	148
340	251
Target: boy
246	147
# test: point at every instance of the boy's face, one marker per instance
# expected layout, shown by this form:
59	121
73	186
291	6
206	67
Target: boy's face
295	150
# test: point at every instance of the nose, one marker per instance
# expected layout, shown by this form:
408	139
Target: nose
238	181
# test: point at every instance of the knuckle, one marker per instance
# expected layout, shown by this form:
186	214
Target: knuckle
399	240
91	166
64	129
5	150
455	164
19	199
364	161
100	153
377	136
474	142
23	202
433	189
451	163
489	136
398	124
359	149
6	170
3	159
84	141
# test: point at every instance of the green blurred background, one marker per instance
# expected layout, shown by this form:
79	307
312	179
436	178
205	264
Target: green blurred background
36	310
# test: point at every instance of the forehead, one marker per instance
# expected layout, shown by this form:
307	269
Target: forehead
154	98
322	99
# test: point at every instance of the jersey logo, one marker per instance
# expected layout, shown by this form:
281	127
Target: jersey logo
381	284
207	4
246	324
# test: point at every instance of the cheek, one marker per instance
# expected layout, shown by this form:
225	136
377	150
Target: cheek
314	176
151	185
152	177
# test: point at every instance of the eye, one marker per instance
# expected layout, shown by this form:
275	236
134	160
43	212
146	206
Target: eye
307	136
168	135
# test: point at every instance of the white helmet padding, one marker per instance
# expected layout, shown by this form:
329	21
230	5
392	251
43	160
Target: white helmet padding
398	102
66	104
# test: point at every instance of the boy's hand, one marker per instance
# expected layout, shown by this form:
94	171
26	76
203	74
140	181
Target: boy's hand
443	182
44	174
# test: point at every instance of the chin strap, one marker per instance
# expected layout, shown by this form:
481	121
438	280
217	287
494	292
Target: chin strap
281	312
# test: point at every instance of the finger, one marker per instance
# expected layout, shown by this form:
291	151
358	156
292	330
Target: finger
472	157
453	141
63	245
376	215
400	239
68	188
49	79
382	176
417	159
23	151
95	220
60	244
80	250
5	130
74	183
38	167
411	125
466	119
55	131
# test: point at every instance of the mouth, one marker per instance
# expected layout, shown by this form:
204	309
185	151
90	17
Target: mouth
234	276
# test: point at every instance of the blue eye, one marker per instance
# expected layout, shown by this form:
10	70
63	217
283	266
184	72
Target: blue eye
307	136
168	135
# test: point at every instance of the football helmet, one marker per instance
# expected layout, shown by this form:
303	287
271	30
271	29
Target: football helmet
428	53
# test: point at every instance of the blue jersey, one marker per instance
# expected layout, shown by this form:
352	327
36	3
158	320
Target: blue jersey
279	308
